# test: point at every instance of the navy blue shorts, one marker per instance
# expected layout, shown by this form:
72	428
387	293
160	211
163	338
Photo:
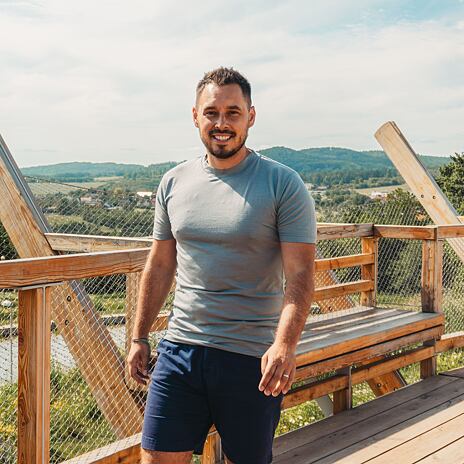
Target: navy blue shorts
193	387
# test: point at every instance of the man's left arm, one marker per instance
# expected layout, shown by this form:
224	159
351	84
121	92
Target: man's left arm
278	364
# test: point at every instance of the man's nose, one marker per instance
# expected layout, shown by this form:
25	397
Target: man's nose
221	122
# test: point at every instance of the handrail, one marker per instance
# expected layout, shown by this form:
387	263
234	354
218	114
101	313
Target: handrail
50	269
45	270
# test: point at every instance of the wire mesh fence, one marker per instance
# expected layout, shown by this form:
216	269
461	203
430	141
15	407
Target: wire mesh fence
82	416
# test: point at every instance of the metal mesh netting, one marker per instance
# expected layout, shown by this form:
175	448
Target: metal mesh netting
73	209
81	417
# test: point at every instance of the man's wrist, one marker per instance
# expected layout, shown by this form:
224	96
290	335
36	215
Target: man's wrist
288	345
142	341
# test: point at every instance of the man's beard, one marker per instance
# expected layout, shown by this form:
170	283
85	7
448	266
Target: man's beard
220	151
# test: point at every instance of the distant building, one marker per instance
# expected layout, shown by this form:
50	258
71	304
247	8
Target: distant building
90	200
378	195
145	199
144	194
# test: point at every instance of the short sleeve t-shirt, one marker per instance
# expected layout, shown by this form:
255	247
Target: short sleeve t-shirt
228	225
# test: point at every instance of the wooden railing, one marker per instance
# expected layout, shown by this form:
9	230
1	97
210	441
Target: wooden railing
34	278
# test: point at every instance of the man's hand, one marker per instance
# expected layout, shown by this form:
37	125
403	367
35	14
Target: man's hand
278	366
137	362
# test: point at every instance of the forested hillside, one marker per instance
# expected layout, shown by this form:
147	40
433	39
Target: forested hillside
320	166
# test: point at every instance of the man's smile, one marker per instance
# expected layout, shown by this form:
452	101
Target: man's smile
221	137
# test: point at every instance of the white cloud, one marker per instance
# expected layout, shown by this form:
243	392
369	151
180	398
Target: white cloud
85	80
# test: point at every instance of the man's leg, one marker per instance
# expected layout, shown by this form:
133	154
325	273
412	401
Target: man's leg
245	418
163	457
177	416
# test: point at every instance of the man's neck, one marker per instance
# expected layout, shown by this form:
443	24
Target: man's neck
218	163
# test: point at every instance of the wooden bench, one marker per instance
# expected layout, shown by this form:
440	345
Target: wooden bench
353	343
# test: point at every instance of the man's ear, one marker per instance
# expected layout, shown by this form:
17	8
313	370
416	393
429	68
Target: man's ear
251	116
195	116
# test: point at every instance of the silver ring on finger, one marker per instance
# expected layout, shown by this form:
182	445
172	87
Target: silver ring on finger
286	376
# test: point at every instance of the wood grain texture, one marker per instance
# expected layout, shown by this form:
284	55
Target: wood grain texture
327	264
369	245
91	243
432	276
212	450
332	232
34	376
337	290
50	269
321	343
88	340
385	423
405	232
421	183
125	451
366	354
343	425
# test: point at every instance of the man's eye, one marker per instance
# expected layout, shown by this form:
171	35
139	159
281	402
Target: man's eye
210	113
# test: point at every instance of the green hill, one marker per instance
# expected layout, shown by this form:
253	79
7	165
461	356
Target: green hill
320	165
339	159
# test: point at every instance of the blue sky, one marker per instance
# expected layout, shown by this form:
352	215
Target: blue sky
114	80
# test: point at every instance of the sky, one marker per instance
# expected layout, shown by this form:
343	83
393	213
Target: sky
115	80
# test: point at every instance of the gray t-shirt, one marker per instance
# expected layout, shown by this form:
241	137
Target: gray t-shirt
228	225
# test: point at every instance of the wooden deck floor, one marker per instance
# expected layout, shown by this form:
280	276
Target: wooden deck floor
422	423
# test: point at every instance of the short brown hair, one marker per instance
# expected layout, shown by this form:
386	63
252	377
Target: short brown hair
225	76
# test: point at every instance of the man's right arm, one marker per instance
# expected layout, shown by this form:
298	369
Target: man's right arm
155	283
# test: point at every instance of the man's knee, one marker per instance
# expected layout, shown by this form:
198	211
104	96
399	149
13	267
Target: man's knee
163	457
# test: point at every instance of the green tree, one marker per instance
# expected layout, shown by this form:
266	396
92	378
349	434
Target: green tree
451	180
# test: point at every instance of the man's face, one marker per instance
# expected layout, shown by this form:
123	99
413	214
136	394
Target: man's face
223	117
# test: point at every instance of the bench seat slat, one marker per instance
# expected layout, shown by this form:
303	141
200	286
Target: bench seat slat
327	336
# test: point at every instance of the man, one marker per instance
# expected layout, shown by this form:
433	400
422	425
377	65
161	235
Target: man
231	222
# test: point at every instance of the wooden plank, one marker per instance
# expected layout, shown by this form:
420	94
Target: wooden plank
369	245
125	451
425	444
386	383
310	351
34	376
38	271
459	373
405	232
451	231
332	232
450	342
314	390
327	264
451	454
88	340
391	364
342	424
336	290
365	354
90	243
421	183
400	426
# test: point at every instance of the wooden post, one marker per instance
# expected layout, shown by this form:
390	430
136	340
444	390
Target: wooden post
88	340
132	286
369	271
34	376
431	292
342	398
212	453
421	183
